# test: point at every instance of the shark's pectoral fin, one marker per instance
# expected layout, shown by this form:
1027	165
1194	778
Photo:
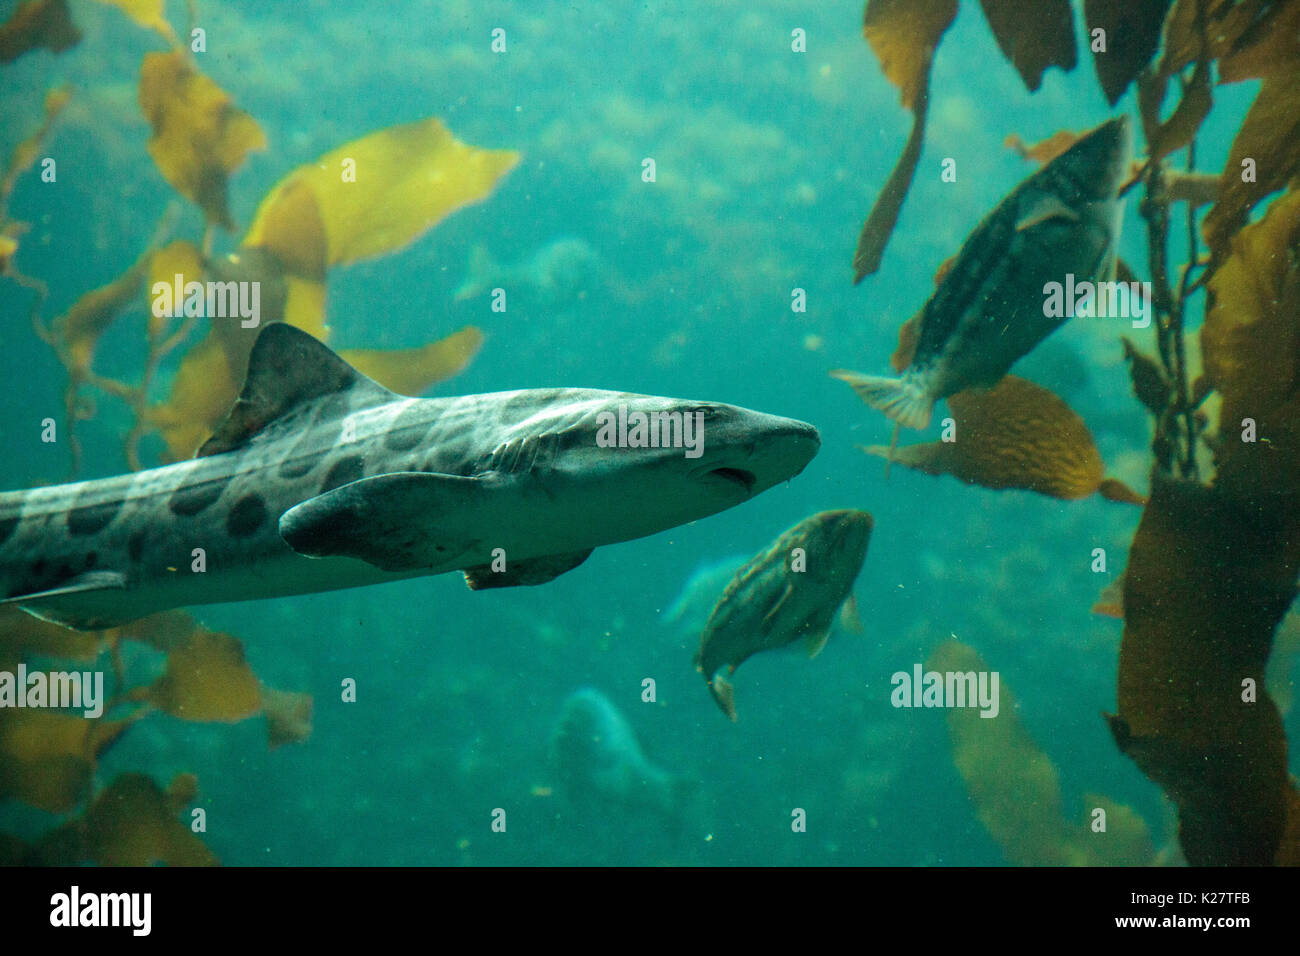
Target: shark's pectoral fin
523	573
402	521
90	581
74	603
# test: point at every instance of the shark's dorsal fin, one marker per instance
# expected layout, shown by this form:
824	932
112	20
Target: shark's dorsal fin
286	368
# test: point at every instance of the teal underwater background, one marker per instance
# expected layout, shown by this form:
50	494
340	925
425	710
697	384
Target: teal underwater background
767	162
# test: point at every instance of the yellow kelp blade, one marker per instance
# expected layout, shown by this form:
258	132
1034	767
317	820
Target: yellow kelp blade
22	635
1251	332
26	152
146	13
1266	143
133	822
412	371
1015	435
289	226
46	758
79	329
380	192
1015	787
207	679
179	258
201	395
903	34
199	136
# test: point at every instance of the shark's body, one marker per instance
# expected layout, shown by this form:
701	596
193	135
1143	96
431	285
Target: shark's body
322	479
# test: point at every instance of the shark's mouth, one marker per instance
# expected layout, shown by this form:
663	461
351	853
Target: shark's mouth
737	476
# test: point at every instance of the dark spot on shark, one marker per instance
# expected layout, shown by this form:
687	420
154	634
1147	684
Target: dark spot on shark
306	451
296	467
409	428
248	514
192	498
92	559
92	519
65	572
454	429
7	527
344	471
527	402
135	546
38	568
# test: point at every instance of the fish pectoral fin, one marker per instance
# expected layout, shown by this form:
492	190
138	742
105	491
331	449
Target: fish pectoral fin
815	641
1042	209
82	584
849	617
403	521
524	573
724	694
770	616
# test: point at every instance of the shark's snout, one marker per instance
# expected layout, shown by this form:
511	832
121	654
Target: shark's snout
751	451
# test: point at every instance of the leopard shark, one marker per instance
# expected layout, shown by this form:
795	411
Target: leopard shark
320	478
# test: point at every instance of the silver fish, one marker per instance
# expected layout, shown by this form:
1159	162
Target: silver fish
316	461
553	272
989	309
598	759
789	592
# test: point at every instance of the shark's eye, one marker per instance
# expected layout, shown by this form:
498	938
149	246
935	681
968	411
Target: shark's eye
708	411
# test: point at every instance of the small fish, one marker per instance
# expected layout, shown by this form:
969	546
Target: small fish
693	604
787	593
598	759
988	310
553	272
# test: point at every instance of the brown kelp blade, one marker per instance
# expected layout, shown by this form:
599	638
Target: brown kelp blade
1015	788
903	34
1015	435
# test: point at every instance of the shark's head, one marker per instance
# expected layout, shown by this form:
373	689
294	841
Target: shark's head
640	464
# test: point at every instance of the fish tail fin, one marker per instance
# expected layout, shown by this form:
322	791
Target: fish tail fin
725	694
478	275
903	399
893	447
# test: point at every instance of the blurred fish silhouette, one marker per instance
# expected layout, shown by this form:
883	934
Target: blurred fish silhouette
787	593
556	271
599	760
988	310
693	604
